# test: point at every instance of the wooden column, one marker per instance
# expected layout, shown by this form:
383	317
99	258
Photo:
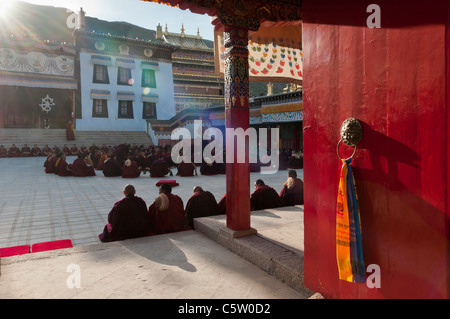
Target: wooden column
237	116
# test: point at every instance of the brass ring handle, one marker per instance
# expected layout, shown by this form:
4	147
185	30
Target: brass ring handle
337	150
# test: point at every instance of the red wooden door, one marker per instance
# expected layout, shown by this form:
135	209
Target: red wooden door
394	80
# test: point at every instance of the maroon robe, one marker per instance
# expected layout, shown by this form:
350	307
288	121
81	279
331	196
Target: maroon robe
112	168
62	168
3	152
25	151
159	168
186	169
131	171
36	151
171	220
101	162
295	162
46	151
206	169
14	152
293	196
201	204
81	168
70	136
128	218
50	165
265	197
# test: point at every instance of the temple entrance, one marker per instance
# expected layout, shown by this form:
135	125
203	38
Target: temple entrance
22	107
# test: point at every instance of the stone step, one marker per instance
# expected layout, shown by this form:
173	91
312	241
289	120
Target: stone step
58	137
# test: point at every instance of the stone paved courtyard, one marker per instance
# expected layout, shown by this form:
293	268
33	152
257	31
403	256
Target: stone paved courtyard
37	207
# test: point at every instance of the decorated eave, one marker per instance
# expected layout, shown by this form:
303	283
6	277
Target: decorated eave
131	40
241	13
28	43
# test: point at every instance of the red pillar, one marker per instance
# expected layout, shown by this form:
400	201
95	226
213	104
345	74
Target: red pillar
237	116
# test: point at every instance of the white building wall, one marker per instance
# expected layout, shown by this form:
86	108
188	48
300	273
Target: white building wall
164	90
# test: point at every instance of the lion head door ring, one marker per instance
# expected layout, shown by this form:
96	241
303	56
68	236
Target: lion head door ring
351	134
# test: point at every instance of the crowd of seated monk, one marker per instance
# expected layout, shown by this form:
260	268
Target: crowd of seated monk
130	217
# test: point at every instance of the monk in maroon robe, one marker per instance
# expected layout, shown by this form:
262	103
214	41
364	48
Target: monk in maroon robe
167	218
209	167
295	161
81	168
101	161
36	151
130	169
62	167
3	151
128	218
186	169
112	168
74	150
25	151
292	192
50	163
14	151
160	168
46	150
70	136
264	197
200	204
66	150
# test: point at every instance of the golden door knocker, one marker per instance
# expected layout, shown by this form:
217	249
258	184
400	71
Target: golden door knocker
351	134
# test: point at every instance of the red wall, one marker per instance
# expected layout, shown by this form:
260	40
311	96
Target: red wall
393	80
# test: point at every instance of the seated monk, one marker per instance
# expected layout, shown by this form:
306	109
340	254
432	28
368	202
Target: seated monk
74	150
201	204
25	151
295	161
264	197
82	167
36	151
101	161
127	219
160	168
62	168
46	151
130	169
186	169
111	167
50	163
56	149
66	150
3	151
14	151
167	212
209	167
292	192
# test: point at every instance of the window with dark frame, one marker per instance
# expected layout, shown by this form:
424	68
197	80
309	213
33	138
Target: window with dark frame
124	76
148	78
149	110
100	74
126	109
99	108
